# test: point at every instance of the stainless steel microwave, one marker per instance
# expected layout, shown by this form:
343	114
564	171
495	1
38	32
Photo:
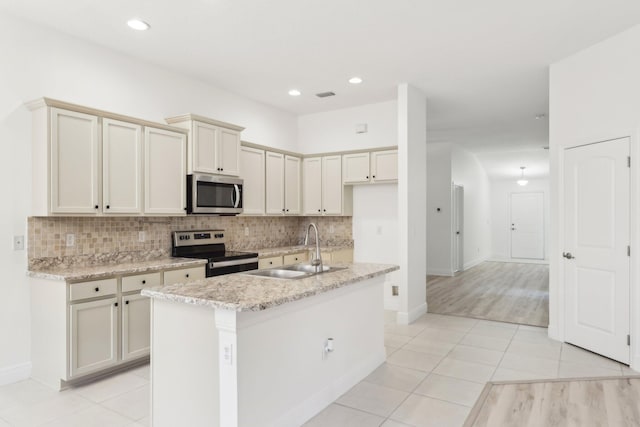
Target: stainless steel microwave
212	194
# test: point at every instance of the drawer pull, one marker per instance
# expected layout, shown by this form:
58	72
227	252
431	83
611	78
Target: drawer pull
144	281
97	289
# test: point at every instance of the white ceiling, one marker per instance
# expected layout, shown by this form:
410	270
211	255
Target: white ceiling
482	64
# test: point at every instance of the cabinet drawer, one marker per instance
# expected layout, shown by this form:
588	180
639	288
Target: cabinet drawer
274	261
95	288
139	281
295	258
183	275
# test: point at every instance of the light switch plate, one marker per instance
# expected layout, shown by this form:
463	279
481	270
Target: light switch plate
71	240
142	236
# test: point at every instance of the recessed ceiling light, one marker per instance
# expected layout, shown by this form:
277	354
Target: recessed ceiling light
295	92
137	24
355	80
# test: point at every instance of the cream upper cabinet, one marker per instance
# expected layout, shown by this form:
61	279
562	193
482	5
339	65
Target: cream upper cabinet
384	166
75	174
323	190
292	177
274	179
252	165
355	168
213	146
164	172
312	186
377	166
121	167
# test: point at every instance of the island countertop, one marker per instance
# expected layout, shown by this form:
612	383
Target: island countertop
245	292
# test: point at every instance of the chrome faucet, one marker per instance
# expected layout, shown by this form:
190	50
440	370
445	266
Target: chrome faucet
317	261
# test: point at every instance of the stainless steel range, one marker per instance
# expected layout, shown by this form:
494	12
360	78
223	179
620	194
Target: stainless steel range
210	245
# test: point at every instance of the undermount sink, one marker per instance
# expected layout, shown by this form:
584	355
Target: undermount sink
296	271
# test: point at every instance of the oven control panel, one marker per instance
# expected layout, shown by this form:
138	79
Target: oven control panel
196	238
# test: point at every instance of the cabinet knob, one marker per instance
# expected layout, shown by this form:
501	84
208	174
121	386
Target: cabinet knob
270	262
96	206
282	209
373	176
287	210
116	304
126	302
296	258
108	206
367	176
318	210
144	281
97	289
185	209
221	169
324	210
187	275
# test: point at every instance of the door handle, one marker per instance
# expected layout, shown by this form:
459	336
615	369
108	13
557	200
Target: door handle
568	255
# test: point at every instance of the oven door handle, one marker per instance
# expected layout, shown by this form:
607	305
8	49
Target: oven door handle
236	202
219	264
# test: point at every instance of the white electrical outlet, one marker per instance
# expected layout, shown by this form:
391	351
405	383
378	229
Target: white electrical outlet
18	243
142	236
227	355
71	240
332	229
246	231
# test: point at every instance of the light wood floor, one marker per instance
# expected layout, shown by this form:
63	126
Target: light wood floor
506	292
611	402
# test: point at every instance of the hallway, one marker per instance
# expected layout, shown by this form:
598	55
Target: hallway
499	291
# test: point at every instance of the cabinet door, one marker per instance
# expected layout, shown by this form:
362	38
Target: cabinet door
228	153
253	188
75	169
94	331
312	186
164	172
184	275
136	326
332	185
292	175
204	147
355	168
384	166
121	167
275	183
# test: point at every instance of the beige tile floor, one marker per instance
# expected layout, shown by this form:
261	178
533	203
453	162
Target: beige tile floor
435	370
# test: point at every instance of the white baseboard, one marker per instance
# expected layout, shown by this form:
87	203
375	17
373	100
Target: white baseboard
473	263
15	373
520	260
310	407
439	272
405	318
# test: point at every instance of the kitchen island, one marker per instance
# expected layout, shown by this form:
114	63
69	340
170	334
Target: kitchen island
245	350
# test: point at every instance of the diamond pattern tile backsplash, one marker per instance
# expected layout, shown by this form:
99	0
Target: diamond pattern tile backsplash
113	239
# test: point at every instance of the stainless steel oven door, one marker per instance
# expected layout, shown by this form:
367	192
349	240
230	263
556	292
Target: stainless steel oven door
211	194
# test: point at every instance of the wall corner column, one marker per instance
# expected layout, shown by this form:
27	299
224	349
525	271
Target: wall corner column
412	202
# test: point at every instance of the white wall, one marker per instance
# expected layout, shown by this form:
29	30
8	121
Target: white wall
595	95
375	231
467	171
374	206
336	130
439	228
38	62
501	190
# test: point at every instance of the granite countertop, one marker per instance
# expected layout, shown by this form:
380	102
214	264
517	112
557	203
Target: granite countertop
286	250
244	292
75	273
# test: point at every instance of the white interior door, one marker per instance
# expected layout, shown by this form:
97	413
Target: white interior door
527	225
596	261
458	225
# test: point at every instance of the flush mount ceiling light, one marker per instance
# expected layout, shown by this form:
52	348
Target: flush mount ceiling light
138	24
522	181
355	80
295	92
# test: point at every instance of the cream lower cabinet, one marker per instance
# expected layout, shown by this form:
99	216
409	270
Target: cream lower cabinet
268	262
136	326
183	275
94	335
